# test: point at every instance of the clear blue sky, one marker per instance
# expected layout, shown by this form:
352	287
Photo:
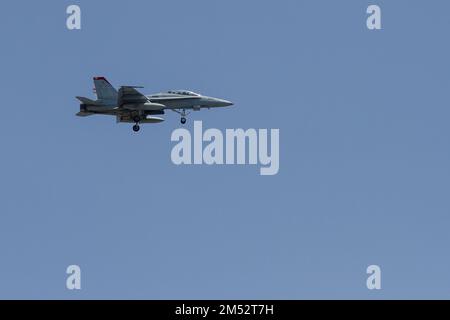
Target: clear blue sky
364	162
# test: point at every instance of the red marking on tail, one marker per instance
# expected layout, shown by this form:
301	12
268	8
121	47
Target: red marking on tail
101	78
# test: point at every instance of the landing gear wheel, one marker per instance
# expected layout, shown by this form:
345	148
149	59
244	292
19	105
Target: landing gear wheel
183	120
137	119
136	128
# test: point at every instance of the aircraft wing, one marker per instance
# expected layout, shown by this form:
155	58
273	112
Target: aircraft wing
129	95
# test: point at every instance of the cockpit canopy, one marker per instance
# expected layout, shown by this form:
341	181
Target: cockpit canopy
184	93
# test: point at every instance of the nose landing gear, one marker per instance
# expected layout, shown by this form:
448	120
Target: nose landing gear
182	113
136	127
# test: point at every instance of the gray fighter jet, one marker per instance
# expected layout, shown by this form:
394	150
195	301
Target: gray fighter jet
129	105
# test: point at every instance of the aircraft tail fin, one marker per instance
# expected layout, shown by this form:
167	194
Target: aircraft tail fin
104	89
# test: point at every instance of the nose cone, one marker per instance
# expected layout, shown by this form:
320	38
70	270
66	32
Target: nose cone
225	103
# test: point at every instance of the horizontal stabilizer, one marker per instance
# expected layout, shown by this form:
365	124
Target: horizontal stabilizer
87	101
84	113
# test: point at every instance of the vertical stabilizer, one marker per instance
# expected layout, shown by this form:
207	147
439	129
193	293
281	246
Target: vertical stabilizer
104	89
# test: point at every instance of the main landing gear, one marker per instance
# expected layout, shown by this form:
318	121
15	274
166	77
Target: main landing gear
183	120
136	119
136	126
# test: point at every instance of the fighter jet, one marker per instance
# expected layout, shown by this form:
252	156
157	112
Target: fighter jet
131	106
